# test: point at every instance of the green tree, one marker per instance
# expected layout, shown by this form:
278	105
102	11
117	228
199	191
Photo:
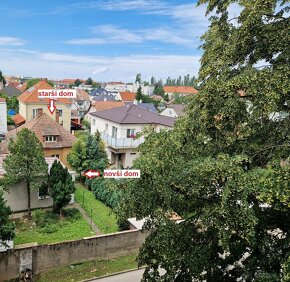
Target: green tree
61	186
33	81
139	94
89	81
138	78
96	156
25	163
78	82
2	78
225	166
77	157
152	81
7	226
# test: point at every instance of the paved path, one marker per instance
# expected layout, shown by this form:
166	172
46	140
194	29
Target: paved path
132	276
95	228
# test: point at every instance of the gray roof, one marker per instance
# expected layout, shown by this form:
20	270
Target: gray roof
147	106
132	114
99	91
10	91
104	97
178	108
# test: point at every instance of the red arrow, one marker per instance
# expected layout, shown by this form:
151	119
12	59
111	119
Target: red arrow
92	173
51	106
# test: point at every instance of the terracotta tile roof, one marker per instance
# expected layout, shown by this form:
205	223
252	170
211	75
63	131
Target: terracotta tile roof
21	87
13	83
42	125
114	82
127	96
31	94
180	89
2	100
106	105
82	95
18	119
132	114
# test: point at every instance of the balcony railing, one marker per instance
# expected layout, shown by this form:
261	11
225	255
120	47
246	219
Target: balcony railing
119	143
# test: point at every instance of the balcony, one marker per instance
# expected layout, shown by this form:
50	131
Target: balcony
121	143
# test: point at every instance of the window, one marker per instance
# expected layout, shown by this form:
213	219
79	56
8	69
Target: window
106	126
35	112
60	113
55	156
130	133
94	122
114	131
43	192
50	138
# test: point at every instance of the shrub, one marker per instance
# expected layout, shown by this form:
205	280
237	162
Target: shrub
72	214
38	217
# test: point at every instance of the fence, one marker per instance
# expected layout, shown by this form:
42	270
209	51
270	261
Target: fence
43	257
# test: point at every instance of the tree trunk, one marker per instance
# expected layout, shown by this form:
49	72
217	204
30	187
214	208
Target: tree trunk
28	200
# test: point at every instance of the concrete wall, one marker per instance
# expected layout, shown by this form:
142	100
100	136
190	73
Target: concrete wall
17	198
3	117
49	256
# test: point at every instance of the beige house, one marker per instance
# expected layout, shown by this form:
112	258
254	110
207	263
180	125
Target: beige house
179	90
17	197
55	139
30	105
118	128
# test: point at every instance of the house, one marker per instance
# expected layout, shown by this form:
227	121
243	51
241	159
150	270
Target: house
118	128
16	197
104	96
102	106
30	105
56	140
3	116
179	90
126	96
80	106
174	110
22	86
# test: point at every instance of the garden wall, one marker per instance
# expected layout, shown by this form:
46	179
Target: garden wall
43	257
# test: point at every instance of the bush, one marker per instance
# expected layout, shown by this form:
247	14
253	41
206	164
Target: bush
106	191
72	213
39	217
50	228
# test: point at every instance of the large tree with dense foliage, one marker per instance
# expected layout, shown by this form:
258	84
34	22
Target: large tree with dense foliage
225	166
25	163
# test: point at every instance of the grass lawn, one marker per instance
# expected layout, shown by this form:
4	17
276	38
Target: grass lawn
86	270
103	216
48	228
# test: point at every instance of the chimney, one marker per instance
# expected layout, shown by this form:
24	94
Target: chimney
135	102
39	112
57	116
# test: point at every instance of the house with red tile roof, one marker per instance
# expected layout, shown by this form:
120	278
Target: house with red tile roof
179	90
126	96
56	140
30	105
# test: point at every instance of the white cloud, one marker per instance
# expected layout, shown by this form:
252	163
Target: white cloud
111	34
11	41
112	5
55	65
101	70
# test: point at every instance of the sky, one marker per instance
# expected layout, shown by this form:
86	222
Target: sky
107	40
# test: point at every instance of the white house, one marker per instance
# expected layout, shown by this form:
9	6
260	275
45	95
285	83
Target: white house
119	126
174	111
3	116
